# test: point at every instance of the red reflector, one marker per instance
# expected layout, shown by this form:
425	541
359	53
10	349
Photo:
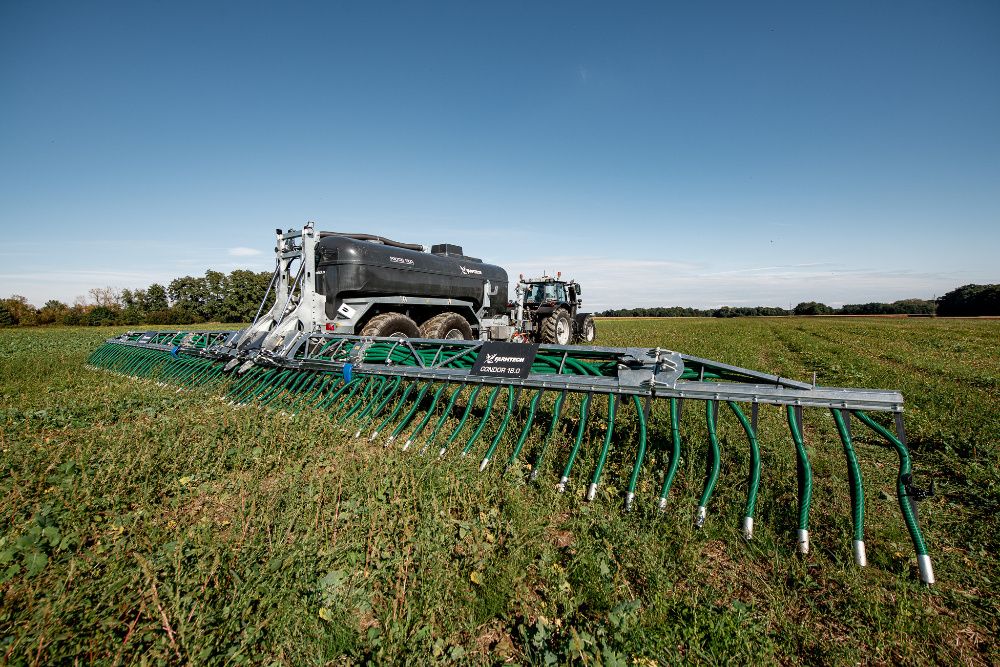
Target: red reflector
330	326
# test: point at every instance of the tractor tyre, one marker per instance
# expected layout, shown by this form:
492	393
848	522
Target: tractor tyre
396	325
557	328
448	325
587	332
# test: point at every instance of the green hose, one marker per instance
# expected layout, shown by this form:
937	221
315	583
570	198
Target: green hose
633	482
556	413
714	464
372	384
485	418
314	390
376	406
290	386
274	386
524	432
260	386
902	494
754	482
603	458
243	387
675	457
303	387
461	422
584	409
395	411
350	387
857	489
805	480
511	399
409	415
426	418
444	417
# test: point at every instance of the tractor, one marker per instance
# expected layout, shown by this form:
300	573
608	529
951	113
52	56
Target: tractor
547	310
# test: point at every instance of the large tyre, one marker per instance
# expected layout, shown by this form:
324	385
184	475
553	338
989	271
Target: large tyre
587	332
557	328
449	325
391	324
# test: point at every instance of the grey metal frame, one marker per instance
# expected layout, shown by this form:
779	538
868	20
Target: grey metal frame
651	372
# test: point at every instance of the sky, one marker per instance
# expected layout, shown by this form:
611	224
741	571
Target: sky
663	153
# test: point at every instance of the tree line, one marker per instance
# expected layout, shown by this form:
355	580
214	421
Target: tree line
235	297
965	301
682	311
214	297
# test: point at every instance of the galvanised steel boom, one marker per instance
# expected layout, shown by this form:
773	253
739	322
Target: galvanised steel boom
424	392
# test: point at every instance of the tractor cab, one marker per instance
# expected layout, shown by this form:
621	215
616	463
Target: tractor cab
546	292
547	311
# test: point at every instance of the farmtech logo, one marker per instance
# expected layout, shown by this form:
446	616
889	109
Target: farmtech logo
470	272
498	359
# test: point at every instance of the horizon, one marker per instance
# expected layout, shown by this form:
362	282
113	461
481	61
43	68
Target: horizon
763	155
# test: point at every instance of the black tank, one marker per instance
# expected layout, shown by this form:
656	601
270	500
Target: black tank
347	267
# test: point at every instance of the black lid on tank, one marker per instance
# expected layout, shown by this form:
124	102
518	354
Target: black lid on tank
446	249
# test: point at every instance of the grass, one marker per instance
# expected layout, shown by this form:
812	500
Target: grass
143	525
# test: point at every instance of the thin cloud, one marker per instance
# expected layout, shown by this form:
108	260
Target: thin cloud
610	282
103	277
241	251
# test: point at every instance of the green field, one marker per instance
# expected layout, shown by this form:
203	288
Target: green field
139	524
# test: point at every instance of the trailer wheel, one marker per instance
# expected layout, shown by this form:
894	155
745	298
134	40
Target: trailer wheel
588	330
557	328
447	325
396	325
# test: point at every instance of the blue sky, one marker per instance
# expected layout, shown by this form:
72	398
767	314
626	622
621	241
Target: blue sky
663	154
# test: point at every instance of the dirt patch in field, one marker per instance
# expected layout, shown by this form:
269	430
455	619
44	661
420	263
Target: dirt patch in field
558	535
494	641
209	503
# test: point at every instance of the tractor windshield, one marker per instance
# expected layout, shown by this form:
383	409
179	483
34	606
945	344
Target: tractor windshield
540	292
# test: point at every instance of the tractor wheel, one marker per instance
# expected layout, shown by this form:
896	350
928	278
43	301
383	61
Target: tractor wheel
588	331
557	328
449	325
396	325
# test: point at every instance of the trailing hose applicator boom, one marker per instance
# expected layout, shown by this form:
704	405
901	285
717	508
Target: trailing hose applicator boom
394	388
